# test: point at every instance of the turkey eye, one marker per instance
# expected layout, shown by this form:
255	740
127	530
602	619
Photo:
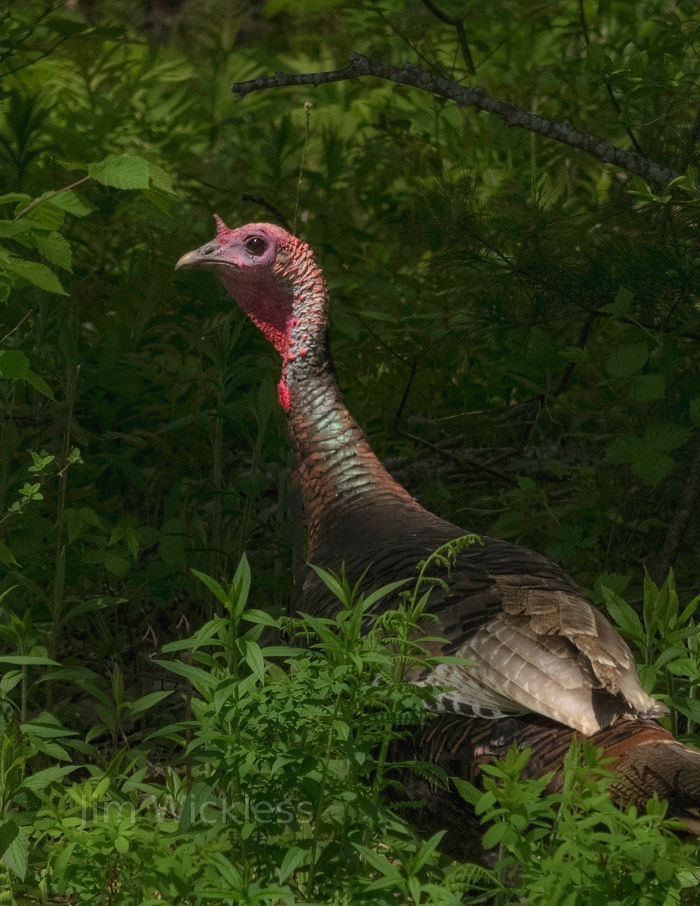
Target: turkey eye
255	245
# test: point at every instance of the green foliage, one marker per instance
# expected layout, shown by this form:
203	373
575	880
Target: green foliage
574	847
275	794
667	645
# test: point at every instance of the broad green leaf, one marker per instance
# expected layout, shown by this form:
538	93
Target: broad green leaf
54	247
28	659
72	203
200	679
123	171
240	587
623	449
38	383
6	555
254	659
160	178
145	702
623	297
576	354
627	360
14	364
16	198
41	779
293	858
33	272
622	614
14	847
646	387
11	229
121	844
663	437
427	850
467	791
378	862
214	587
260	618
652	466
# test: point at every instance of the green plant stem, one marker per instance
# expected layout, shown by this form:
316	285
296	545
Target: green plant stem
72	375
321	798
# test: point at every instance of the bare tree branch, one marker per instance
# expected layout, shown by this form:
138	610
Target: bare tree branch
458	26
409	74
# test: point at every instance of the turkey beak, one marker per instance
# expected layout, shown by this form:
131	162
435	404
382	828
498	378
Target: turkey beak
201	257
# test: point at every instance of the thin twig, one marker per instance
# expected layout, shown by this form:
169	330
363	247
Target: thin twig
406	392
461	461
409	74
38	201
17	325
458	26
307	112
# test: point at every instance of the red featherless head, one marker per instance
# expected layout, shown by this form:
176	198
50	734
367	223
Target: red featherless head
274	278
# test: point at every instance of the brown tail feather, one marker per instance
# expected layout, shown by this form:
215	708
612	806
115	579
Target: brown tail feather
648	761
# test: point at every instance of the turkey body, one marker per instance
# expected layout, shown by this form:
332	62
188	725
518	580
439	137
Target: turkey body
540	661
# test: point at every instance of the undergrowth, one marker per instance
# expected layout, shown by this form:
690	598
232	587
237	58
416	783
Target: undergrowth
270	784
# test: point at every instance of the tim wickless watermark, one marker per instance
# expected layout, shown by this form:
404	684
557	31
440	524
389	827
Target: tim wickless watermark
203	811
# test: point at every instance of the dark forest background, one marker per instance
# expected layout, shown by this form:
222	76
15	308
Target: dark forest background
514	323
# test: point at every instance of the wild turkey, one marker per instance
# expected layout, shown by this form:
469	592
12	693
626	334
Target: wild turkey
543	661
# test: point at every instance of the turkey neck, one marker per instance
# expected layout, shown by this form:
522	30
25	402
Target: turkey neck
348	496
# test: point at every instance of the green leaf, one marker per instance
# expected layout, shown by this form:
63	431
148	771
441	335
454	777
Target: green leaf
121	844
200	679
623	298
623	449
293	858
28	659
145	702
627	360
123	171
214	587
160	178
14	364
646	387
240	588
652	466
663	437
38	383
379	863
10	229
33	272
427	850
495	834
6	555
41	779
15	198
72	203
14	847
54	247
622	614
467	791
260	618
254	659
